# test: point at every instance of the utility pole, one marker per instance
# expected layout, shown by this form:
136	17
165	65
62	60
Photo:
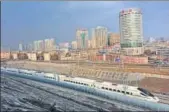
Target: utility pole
78	59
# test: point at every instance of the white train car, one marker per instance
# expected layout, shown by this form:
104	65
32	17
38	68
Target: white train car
49	76
130	91
77	80
11	69
64	77
84	81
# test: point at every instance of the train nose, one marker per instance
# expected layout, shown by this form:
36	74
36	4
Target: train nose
156	98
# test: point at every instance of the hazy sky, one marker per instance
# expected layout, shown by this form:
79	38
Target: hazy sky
28	21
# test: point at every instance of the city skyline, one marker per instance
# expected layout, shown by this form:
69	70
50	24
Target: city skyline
42	22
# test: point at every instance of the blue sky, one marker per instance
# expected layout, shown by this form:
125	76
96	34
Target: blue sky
29	21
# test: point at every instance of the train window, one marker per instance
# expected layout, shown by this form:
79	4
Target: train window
110	89
118	90
143	94
114	90
127	92
131	93
102	87
106	88
123	92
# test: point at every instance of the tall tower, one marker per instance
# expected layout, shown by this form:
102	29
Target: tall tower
101	36
20	47
82	38
49	44
131	31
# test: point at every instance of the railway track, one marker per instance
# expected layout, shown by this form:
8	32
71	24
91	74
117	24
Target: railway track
62	96
163	98
90	104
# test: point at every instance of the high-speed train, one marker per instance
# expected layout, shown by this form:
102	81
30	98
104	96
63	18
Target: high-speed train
129	91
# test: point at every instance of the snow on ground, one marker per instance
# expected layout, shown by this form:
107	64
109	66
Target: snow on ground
18	94
22	94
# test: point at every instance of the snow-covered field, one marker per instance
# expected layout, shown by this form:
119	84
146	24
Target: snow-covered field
18	94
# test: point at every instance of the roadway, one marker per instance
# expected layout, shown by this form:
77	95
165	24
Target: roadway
105	63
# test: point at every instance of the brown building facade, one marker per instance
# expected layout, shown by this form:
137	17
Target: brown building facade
113	38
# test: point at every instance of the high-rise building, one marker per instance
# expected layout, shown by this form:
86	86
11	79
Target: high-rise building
100	36
89	43
82	38
64	45
93	39
29	47
35	45
26	47
50	44
38	45
131	31
20	47
151	40
41	45
74	44
113	38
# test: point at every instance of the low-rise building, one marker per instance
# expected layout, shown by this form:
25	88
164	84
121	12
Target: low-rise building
134	60
15	56
113	38
163	51
47	56
74	44
32	56
65	58
5	55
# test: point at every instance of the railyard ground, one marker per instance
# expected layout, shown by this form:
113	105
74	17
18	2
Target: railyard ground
150	83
